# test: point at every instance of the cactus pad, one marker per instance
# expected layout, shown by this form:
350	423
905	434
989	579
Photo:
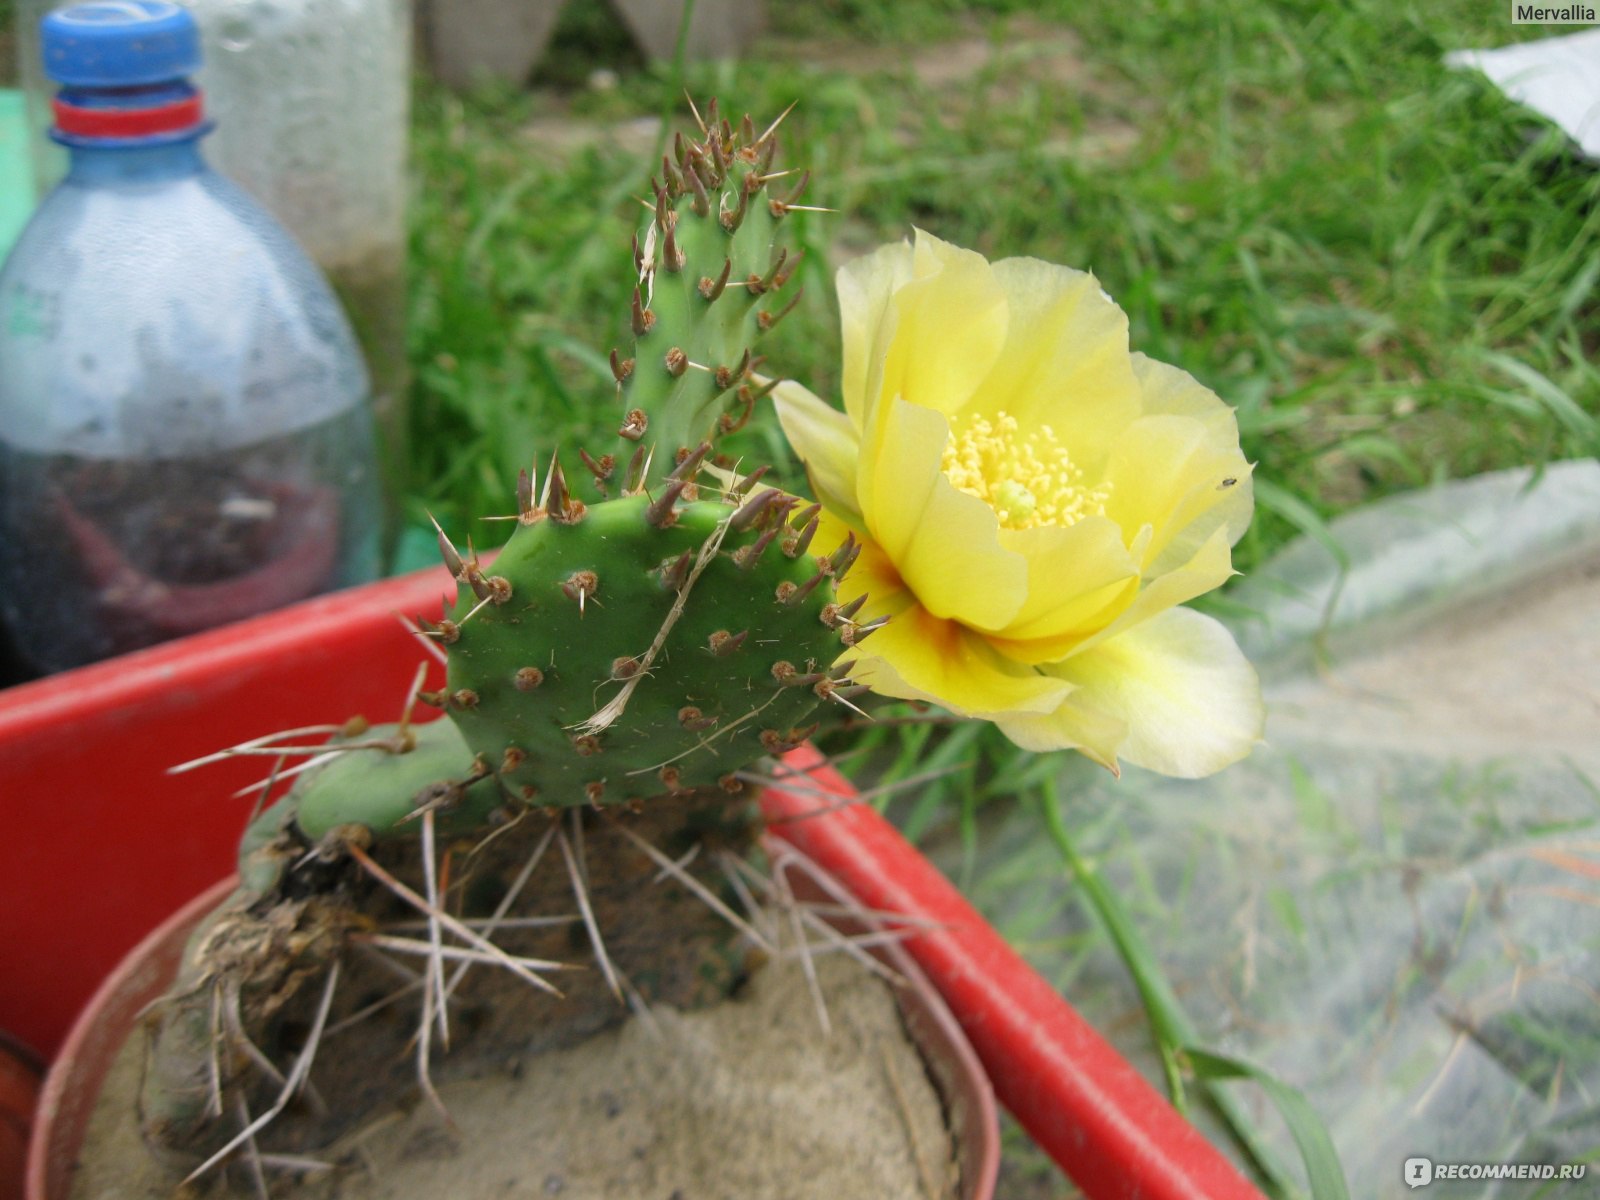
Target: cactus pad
706	628
710	283
381	788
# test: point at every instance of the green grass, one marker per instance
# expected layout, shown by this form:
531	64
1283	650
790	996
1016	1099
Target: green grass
1390	270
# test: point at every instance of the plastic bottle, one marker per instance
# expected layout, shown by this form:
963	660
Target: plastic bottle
313	100
312	104
185	435
47	161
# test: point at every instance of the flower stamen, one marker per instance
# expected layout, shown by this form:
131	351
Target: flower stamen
1028	479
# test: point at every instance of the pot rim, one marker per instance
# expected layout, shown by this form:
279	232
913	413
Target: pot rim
62	1100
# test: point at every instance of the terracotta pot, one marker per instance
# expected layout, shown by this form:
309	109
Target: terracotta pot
73	1085
19	1090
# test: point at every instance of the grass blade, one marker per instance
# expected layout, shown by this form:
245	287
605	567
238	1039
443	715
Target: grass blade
1552	398
1170	1025
1323	1171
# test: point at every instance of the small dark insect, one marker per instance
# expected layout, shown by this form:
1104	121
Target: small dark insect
1226	484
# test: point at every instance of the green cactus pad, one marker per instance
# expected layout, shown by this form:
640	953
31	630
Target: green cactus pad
711	278
381	788
575	614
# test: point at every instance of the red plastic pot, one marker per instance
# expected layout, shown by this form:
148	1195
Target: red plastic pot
105	845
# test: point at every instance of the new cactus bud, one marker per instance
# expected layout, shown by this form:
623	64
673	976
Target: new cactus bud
707	271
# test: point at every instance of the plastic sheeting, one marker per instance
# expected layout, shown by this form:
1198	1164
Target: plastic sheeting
1557	77
1394	904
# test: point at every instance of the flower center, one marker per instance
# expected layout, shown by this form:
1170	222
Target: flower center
1027	479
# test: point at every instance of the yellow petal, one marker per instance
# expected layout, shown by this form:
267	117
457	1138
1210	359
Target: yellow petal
917	656
944	543
827	443
873	575
1072	726
950	325
1172	392
1210	568
1079	576
866	285
1187	701
1165	474
1179	469
1169	391
1065	361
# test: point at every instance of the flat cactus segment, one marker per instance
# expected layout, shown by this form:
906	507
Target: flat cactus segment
638	655
708	270
380	788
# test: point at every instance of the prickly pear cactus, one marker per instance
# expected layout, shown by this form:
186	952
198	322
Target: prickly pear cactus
657	640
638	641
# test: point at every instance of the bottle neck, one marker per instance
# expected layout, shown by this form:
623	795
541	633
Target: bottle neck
145	132
103	163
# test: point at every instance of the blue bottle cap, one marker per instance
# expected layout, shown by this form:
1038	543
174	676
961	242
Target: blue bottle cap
120	43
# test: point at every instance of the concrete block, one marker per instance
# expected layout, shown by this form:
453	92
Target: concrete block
718	28
502	39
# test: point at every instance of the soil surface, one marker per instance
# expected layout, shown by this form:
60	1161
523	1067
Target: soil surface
746	1099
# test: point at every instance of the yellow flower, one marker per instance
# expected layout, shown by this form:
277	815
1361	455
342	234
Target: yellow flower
1033	501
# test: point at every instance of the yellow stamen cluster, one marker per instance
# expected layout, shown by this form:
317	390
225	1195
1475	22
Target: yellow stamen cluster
1027	479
